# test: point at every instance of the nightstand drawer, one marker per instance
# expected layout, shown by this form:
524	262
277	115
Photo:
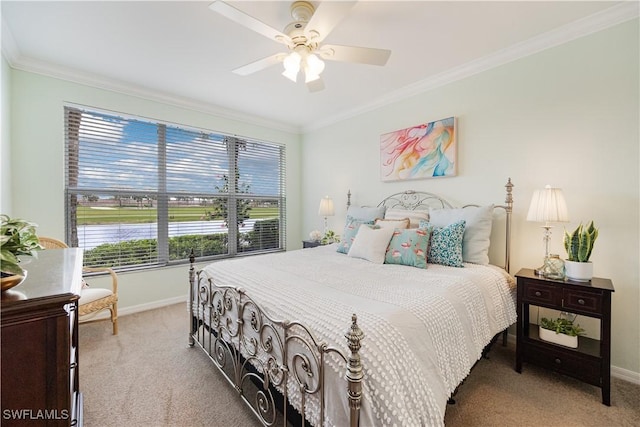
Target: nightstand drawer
557	359
584	301
539	293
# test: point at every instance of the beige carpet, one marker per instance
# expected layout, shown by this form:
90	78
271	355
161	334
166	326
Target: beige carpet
147	376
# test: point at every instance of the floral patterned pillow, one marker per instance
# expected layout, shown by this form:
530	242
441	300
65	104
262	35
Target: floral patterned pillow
446	244
349	233
409	247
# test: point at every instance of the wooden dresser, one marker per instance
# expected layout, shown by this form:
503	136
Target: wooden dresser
39	339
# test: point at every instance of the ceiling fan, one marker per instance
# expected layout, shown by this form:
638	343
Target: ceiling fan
303	38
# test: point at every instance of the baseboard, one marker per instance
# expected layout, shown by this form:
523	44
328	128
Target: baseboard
152	305
625	374
620	373
141	307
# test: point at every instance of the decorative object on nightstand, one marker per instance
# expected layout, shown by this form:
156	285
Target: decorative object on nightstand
579	246
330	236
325	210
561	330
315	236
590	361
553	267
547	205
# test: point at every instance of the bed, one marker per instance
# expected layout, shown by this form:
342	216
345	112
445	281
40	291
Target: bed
345	340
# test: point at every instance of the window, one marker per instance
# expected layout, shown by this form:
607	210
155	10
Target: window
140	193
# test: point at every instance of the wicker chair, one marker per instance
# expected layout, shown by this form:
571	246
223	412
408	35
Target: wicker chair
92	300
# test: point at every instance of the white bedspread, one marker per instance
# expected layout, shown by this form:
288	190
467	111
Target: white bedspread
424	328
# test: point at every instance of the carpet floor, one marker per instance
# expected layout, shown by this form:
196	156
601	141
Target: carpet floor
148	376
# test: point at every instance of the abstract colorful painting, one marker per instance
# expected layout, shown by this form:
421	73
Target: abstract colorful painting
423	151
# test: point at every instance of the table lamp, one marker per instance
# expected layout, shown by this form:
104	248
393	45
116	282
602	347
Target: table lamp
547	205
325	210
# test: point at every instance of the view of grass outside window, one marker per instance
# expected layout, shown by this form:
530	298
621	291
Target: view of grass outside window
141	193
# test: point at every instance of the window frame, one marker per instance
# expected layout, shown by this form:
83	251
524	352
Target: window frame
163	195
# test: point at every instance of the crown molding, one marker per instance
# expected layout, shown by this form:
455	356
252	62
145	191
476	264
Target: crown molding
18	62
612	16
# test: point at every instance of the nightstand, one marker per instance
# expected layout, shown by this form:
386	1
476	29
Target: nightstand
310	243
591	361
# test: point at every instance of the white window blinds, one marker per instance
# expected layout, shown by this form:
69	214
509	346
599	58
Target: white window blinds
141	193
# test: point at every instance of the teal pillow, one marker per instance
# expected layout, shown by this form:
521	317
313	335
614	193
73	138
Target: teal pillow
349	233
446	244
409	247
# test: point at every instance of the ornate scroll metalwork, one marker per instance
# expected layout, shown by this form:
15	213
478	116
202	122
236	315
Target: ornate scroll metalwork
415	200
263	358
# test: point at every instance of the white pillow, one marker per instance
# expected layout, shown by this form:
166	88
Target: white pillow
477	233
366	213
371	243
393	223
414	216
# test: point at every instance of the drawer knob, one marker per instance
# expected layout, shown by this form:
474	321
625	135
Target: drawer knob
558	361
581	301
538	293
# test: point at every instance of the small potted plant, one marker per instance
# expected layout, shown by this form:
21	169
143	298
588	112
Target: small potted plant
579	245
330	237
560	331
18	238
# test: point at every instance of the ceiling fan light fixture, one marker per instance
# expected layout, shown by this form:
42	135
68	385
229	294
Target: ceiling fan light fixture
315	65
292	66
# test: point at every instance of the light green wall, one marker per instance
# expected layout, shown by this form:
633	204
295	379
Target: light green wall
567	116
5	141
37	156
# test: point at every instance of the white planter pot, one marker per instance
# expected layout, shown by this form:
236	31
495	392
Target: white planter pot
580	271
562	339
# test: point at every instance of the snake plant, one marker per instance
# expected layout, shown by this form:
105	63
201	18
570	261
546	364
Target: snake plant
579	244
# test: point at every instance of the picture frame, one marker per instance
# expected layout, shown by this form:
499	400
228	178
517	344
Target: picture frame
427	150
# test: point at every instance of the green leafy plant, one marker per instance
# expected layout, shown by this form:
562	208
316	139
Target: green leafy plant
562	326
18	237
330	237
579	244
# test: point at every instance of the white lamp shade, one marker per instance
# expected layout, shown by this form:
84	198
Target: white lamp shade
313	67
292	66
326	207
548	205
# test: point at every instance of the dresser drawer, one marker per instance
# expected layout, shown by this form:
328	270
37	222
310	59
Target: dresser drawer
583	301
539	293
560	360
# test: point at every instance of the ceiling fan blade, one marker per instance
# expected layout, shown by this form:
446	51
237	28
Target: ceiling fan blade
327	15
260	64
316	86
360	55
249	21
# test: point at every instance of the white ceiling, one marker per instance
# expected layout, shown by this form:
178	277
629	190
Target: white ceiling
182	52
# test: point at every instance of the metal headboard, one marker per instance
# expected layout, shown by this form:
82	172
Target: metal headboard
420	200
414	200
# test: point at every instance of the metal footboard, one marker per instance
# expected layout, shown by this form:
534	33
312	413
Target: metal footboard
253	350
